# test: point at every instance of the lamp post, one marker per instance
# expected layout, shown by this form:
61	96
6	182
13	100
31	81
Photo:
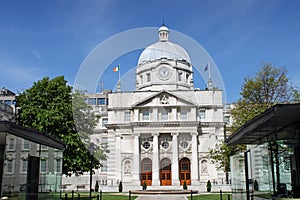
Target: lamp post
92	149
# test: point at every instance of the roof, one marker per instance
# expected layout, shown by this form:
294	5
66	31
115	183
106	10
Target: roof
31	135
279	122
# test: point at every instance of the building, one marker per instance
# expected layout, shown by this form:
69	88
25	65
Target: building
271	163
161	133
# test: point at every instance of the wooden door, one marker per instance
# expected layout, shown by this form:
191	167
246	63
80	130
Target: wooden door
185	171
165	172
146	175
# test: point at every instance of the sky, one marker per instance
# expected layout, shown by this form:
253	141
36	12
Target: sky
53	38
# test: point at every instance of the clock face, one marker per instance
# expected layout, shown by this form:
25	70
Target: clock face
164	73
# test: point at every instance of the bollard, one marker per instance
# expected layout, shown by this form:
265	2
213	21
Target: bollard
98	197
191	194
129	196
72	194
228	197
66	196
78	197
221	195
100	194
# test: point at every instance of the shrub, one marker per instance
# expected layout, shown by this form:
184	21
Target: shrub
144	185
184	185
120	186
96	186
208	186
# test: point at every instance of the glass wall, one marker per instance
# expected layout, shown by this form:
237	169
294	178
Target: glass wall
17	165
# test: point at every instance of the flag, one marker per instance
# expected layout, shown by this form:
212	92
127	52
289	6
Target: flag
117	68
206	67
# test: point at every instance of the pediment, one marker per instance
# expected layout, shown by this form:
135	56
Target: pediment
164	98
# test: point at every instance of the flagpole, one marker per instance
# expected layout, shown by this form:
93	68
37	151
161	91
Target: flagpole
119	72
209	70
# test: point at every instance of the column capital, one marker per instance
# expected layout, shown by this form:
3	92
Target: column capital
175	134
155	134
194	133
136	134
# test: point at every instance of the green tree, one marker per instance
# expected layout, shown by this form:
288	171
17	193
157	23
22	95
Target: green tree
47	107
268	87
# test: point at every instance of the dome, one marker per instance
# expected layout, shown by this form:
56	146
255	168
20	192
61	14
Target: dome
163	49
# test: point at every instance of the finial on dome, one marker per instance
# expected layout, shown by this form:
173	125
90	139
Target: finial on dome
163	33
163	24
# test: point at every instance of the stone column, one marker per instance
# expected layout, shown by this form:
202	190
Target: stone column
155	161
118	152
136	160
194	164
175	165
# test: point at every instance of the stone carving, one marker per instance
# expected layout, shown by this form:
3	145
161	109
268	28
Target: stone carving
164	99
127	167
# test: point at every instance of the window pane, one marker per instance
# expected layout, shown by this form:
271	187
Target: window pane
92	101
24	165
202	114
101	101
43	165
127	116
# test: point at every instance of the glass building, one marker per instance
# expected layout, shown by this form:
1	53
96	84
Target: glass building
271	164
30	163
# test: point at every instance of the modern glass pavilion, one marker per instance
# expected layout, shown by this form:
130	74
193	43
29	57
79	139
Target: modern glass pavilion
271	163
30	163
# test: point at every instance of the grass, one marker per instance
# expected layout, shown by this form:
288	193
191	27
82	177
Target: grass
209	197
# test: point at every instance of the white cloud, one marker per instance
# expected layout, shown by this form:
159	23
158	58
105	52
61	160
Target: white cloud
37	54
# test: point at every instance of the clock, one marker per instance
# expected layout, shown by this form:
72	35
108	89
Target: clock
164	73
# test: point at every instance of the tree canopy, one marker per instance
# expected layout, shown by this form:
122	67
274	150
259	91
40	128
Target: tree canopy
47	107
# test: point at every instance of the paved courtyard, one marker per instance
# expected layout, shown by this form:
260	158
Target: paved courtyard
164	197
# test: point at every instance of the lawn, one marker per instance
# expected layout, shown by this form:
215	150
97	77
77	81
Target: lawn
209	197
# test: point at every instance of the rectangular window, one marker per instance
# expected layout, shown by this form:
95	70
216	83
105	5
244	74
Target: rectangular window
43	166
141	77
11	144
202	114
183	114
7	102
44	147
58	165
104	121
24	165
165	114
101	101
26	145
148	77
92	101
127	116
104	166
145	115
179	76
9	165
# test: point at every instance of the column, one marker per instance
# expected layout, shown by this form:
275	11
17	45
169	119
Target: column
175	165
136	160
118	176
194	164
155	161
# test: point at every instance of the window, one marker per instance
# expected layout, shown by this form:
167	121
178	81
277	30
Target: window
141	77
7	102
24	165
127	116
146	145
44	147
43	166
179	76
26	145
183	114
148	77
58	165
92	101
9	165
101	101
104	121
227	119
184	144
187	78
165	114
104	166
165	145
11	144
202	114
145	115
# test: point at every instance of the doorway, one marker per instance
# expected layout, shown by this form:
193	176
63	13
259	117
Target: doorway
165	172
146	171
185	171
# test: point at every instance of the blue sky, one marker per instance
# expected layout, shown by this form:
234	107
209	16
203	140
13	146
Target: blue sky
52	38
